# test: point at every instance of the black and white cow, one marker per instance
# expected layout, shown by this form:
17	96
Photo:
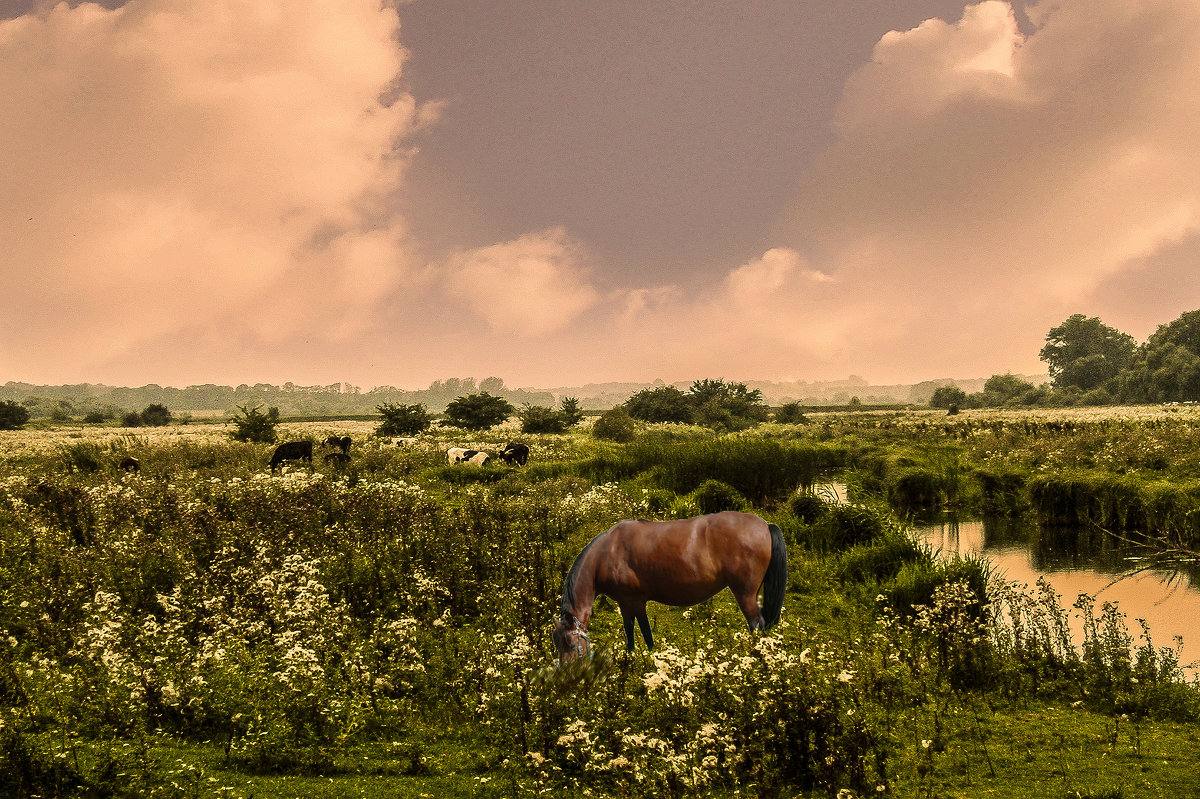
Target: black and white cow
515	454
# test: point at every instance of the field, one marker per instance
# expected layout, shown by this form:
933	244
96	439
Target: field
205	627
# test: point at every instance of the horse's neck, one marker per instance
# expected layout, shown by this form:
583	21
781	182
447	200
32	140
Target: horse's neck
585	592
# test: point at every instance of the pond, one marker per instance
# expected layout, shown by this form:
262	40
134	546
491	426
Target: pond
1075	563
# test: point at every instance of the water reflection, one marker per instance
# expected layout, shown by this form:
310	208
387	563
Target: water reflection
1075	562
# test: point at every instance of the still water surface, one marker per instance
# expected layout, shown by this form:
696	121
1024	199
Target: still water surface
1168	600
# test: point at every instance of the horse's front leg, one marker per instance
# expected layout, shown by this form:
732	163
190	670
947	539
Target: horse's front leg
644	623
628	619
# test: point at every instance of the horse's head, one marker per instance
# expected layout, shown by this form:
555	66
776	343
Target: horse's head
570	639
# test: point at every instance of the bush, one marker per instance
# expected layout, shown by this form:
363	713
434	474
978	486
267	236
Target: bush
478	411
791	413
255	426
156	415
662	404
13	415
131	419
615	425
807	506
540	419
402	420
713	496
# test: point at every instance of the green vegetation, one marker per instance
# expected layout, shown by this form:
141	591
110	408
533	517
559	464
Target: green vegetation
254	426
208	628
13	415
710	403
479	411
403	420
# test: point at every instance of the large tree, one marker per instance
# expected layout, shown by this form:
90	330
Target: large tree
1086	353
478	411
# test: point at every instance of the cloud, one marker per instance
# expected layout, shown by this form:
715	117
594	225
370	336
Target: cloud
530	286
227	165
986	183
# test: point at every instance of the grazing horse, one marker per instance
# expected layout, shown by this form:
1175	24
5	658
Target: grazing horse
681	562
292	451
342	443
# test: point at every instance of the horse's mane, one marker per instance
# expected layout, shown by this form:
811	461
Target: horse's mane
568	597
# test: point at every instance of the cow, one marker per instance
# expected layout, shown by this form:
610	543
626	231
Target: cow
477	458
292	451
342	443
337	458
515	454
456	454
131	465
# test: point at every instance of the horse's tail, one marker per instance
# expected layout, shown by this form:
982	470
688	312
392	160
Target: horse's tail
775	581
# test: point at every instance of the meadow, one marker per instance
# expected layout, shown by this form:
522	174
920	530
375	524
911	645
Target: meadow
206	627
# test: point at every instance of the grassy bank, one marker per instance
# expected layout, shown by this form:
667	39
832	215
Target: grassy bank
207	628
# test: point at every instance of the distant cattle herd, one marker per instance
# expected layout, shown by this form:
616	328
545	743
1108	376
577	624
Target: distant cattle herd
512	454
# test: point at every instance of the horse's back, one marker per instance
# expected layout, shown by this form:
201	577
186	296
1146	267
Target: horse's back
683	561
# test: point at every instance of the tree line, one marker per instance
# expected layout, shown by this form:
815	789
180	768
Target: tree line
1091	363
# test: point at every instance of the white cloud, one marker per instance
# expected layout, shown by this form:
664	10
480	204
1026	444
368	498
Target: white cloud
172	164
530	286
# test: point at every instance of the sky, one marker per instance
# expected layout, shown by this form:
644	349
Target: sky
557	193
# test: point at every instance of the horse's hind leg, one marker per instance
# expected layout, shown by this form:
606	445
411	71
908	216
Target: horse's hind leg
644	623
748	601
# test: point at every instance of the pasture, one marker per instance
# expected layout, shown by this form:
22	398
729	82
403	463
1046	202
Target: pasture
206	626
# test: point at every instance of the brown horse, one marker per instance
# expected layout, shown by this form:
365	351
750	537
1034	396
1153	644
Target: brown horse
679	562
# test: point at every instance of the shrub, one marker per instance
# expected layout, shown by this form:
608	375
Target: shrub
96	417
255	426
614	425
13	415
402	420
662	404
807	506
791	413
540	419
131	419
156	415
713	496
478	411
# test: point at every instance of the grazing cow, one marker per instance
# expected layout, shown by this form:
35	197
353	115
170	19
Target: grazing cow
342	443
515	454
337	458
456	454
131	465
292	451
477	458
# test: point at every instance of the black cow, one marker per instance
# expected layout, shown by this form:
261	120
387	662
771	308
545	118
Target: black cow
292	451
342	443
515	454
131	465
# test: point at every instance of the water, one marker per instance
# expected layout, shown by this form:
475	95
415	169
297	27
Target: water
1075	563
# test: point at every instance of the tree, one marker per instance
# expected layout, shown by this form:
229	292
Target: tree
1086	353
731	406
478	411
1003	389
402	420
946	396
13	415
662	404
570	410
156	415
255	426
